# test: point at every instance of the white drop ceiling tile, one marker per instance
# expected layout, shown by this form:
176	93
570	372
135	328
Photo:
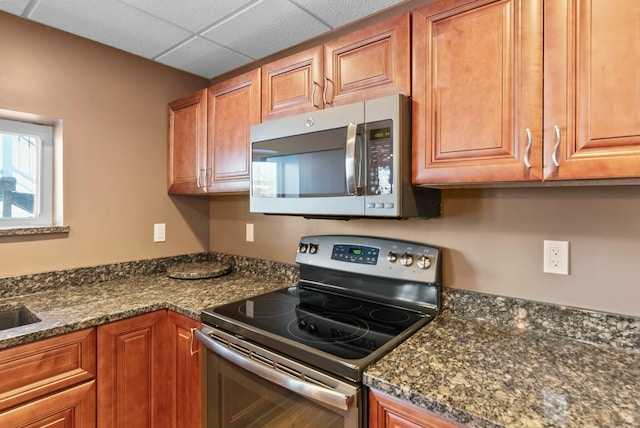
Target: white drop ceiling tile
194	15
203	58
15	7
337	13
266	28
112	23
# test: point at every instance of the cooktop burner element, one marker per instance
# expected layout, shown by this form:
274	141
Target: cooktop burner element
345	312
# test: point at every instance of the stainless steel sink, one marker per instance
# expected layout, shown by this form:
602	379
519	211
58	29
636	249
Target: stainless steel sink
15	316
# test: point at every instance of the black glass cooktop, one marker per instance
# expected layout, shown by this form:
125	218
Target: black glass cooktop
344	327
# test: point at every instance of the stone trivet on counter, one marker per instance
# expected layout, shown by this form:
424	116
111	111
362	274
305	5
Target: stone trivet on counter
198	270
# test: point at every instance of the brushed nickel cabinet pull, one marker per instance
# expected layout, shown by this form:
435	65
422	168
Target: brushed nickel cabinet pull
554	155
191	350
528	150
324	92
313	94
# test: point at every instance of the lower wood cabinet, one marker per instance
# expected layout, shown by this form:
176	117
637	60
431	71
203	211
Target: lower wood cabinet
130	372
184	372
386	411
138	372
147	375
50	382
73	407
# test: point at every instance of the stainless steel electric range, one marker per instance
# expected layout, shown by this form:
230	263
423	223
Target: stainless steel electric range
295	356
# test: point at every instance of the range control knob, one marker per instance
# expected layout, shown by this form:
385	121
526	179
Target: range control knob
302	248
313	248
424	262
406	259
392	257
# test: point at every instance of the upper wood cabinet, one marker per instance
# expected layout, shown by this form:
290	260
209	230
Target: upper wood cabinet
209	137
477	91
188	144
591	89
292	85
368	63
233	106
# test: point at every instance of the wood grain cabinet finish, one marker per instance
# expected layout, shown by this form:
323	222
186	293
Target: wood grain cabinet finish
187	149
389	412
131	373
592	89
73	407
368	63
477	91
40	368
233	106
184	372
293	85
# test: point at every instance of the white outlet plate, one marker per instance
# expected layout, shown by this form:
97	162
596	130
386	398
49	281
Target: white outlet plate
159	232
556	257
249	232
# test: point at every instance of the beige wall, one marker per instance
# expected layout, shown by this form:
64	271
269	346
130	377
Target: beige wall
492	240
114	111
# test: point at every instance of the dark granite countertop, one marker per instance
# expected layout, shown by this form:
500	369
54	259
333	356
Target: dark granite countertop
485	361
87	302
487	372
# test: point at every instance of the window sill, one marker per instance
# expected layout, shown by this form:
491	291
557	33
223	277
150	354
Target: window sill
28	231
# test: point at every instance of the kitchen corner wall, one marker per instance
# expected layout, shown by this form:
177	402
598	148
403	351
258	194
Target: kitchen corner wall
492	240
114	111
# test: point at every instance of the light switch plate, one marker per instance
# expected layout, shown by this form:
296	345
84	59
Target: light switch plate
159	232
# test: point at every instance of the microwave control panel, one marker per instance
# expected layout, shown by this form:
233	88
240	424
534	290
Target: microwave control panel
380	158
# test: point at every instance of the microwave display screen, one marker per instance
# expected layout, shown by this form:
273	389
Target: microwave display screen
380	134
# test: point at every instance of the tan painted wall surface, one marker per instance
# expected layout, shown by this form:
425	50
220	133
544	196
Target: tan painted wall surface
492	240
114	111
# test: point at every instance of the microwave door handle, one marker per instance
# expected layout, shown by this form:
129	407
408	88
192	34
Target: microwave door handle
350	159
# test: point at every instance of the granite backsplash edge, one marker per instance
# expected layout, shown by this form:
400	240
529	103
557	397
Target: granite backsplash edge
46	281
601	328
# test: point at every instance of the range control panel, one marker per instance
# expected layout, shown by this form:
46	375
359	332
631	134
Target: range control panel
372	256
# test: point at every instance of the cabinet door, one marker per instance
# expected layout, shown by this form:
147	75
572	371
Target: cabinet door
131	372
71	408
234	105
292	85
592	90
187	143
184	372
368	63
388	412
477	90
39	368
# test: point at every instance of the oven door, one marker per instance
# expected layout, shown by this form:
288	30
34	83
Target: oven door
248	386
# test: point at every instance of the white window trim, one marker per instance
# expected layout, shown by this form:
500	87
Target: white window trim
43	205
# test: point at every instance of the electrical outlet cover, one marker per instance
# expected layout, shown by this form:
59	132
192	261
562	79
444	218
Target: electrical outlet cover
556	257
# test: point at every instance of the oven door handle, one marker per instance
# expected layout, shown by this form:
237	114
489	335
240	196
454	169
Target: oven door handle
314	392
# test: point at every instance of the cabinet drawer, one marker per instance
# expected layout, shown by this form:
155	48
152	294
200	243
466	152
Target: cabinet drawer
72	408
32	370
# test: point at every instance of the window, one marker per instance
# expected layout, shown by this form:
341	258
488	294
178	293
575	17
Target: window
26	174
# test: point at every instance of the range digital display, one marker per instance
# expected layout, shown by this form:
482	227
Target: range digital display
355	254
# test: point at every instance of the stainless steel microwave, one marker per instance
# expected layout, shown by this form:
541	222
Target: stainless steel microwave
346	161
